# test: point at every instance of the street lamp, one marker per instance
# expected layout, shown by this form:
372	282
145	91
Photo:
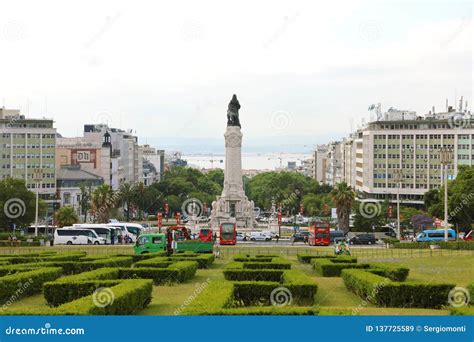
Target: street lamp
37	178
446	158
398	179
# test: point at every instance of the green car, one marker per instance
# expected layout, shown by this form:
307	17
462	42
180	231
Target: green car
155	243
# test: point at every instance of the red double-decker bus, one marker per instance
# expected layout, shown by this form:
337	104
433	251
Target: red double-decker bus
319	234
228	234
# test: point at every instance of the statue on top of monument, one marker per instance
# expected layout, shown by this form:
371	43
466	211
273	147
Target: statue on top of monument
233	112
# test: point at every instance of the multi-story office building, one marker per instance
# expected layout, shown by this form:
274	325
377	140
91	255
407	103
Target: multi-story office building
406	142
370	158
28	145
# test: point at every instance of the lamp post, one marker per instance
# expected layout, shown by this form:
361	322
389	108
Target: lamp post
37	178
446	158
399	180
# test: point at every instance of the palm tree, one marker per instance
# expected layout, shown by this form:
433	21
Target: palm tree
103	200
343	197
126	197
66	216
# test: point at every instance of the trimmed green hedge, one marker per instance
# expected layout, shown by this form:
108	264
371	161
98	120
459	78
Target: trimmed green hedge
461	245
384	292
178	272
253	275
306	258
470	288
23	259
391	271
329	268
23	284
57	293
160	262
129	297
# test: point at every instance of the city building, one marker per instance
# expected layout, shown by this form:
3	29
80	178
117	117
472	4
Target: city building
401	149
125	149
28	152
70	178
157	159
320	163
92	156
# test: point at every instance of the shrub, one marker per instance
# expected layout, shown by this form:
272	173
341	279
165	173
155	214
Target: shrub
256	275
460	245
390	271
160	262
470	289
22	284
306	258
203	260
57	293
328	268
174	273
267	265
218	299
129	296
384	292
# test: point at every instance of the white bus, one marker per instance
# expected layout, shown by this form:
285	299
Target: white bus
129	230
77	236
104	231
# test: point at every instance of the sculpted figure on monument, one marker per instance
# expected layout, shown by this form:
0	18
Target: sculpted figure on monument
233	112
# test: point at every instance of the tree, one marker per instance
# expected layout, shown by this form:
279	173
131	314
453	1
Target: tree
460	199
284	188
103	200
85	199
126	196
66	216
17	204
343	197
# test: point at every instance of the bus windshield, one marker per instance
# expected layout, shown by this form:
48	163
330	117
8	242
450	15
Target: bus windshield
227	231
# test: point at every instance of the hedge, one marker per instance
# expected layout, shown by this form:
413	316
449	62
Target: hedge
306	258
175	273
129	297
203	260
253	275
391	271
254	258
328	268
21	259
22	284
385	292
218	299
462	245
160	262
277	264
470	289
57	293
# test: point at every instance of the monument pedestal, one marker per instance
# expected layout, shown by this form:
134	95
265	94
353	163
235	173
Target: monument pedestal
233	206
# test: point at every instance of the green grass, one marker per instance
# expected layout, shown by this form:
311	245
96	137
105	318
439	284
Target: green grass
424	265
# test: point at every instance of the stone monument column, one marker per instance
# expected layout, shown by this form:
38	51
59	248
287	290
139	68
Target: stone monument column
233	206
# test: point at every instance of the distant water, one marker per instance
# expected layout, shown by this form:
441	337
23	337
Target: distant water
255	161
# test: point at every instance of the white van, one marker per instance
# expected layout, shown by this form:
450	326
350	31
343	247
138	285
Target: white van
130	230
76	236
102	230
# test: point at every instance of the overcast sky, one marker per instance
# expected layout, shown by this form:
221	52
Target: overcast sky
167	69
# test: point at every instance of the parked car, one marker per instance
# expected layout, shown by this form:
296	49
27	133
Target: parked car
259	236
362	239
130	230
299	237
241	236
